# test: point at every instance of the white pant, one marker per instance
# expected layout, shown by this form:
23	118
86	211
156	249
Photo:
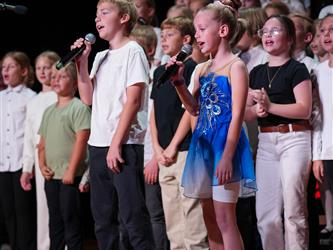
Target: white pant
282	171
43	239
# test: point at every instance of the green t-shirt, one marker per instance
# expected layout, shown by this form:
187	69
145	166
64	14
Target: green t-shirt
58	128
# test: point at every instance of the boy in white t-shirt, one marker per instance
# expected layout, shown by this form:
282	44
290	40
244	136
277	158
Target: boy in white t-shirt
115	89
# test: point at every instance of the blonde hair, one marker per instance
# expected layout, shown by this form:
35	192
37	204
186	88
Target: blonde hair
183	24
124	7
308	23
50	55
70	69
23	60
145	36
183	9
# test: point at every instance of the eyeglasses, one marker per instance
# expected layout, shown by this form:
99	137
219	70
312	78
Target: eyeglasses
329	30
272	32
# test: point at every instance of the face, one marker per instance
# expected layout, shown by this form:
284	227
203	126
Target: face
206	32
196	6
250	3
12	73
43	70
143	9
326	34
271	11
316	46
274	38
107	20
300	33
62	83
245	42
171	41
182	2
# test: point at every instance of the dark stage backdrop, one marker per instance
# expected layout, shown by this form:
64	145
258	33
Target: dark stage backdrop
53	25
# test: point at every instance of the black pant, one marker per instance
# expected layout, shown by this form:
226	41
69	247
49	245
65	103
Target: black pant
19	211
155	209
121	193
65	211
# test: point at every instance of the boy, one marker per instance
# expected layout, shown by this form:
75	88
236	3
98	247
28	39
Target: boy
184	219
64	132
115	89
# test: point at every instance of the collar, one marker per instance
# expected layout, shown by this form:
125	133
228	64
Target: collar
300	56
16	89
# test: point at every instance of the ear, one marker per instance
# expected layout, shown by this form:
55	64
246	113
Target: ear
224	30
124	18
308	37
24	72
186	39
151	51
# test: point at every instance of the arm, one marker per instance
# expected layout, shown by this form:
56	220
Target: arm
78	152
45	170
239	84
84	183
299	110
131	107
151	171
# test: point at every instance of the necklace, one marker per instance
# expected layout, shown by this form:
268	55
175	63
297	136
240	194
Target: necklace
269	79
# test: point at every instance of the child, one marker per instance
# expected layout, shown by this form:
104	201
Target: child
64	132
116	90
305	31
323	147
18	207
320	54
35	110
276	8
281	101
179	10
185	227
219	157
146	37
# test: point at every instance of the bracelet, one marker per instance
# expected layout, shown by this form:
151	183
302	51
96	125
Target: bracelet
178	82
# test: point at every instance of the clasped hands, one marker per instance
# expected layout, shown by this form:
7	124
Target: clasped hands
260	97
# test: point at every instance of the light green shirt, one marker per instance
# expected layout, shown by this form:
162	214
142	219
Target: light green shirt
58	128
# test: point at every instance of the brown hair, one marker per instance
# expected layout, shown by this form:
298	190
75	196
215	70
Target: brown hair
124	7
184	10
183	24
280	6
23	60
308	23
145	36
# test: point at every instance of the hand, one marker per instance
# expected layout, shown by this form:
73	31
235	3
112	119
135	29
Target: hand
84	188
265	102
159	156
68	177
151	171
46	172
78	44
224	170
170	154
114	159
179	75
26	181
318	170
260	111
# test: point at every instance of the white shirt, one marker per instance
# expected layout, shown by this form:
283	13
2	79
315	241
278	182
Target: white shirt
323	146
254	56
35	111
113	71
309	62
13	103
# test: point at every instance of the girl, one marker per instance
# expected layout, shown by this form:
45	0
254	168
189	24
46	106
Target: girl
317	49
281	100
17	206
323	146
35	110
219	157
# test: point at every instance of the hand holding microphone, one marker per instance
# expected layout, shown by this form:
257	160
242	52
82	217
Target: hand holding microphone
81	46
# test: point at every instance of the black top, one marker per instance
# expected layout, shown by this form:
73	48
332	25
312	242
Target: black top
281	92
168	107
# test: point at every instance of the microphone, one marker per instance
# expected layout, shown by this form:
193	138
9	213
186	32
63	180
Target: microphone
75	52
170	71
18	9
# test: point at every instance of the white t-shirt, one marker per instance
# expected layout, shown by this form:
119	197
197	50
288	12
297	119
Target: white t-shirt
254	56
323	146
112	72
309	62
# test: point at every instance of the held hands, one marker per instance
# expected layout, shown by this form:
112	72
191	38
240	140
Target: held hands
26	181
318	170
170	153
224	170
151	171
68	177
262	100
46	172
114	159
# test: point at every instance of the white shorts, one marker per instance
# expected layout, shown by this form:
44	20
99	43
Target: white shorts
227	193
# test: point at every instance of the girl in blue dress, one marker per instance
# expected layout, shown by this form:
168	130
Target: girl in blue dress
219	158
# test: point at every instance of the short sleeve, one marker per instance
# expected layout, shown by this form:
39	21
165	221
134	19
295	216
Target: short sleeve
300	74
43	124
138	70
82	118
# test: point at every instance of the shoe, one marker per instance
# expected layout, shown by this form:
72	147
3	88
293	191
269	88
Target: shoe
326	233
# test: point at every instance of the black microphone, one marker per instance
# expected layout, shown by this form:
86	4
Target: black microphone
18	9
75	52
170	71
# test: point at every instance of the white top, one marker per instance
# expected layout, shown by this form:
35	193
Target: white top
13	103
148	150
35	111
253	57
158	51
323	146
309	62
112	72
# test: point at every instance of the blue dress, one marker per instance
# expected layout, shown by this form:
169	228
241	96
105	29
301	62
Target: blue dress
208	142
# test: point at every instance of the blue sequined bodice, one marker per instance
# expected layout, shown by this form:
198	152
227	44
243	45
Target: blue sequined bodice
215	102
